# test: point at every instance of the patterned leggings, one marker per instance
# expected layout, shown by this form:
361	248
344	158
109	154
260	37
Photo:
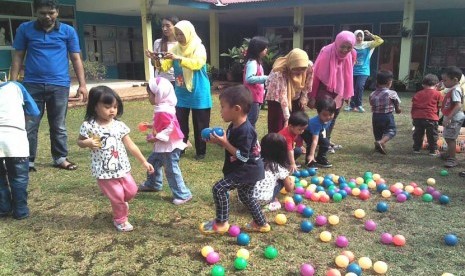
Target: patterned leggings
245	192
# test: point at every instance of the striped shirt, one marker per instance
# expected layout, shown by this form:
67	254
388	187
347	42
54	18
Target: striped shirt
383	100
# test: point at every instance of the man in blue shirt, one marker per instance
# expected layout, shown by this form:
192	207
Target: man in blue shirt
48	43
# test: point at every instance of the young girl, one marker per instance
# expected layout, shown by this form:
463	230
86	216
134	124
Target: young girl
108	137
168	144
254	77
276	160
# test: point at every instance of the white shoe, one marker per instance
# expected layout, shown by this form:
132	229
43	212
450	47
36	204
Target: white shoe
178	201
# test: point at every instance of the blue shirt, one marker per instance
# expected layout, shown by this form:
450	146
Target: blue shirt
200	97
315	125
362	65
46	52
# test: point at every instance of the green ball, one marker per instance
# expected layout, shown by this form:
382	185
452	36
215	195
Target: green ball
271	252
444	173
368	175
240	263
352	184
332	187
337	197
217	270
427	198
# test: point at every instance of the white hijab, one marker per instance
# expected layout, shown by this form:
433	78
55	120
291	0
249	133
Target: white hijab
165	98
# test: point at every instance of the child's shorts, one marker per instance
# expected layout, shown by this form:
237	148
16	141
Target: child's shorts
452	130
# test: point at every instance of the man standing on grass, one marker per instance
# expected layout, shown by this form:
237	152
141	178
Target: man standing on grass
47	43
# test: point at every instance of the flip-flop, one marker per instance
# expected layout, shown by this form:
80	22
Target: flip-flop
70	167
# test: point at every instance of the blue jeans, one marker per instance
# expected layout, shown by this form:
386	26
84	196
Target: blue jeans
170	161
253	113
54	99
383	125
14	178
359	86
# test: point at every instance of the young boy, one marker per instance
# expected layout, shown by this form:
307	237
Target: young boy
242	167
452	111
15	101
297	123
425	110
383	102
315	134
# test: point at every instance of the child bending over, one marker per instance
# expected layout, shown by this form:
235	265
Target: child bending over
297	123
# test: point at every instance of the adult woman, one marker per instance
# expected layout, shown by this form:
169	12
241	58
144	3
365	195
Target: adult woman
288	84
192	86
333	74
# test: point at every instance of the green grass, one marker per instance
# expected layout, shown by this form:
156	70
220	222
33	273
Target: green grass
70	232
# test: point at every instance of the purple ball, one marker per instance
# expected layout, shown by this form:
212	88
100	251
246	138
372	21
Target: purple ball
436	194
234	230
370	225
430	189
300	208
213	257
401	198
321	220
289	206
307	270
342	241
398	192
386	238
299	190
308	194
348	190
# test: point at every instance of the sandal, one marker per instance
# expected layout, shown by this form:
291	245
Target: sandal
210	227
379	147
70	167
253	227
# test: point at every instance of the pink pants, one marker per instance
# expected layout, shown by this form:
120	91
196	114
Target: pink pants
119	191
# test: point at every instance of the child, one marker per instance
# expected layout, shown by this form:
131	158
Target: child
108	137
276	160
425	110
452	111
383	102
254	77
242	167
315	133
168	144
15	101
297	123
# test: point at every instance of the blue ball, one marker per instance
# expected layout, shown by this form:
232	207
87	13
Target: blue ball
451	239
444	199
319	189
354	268
296	179
382	207
298	198
306	226
243	239
218	131
331	192
343	193
407	194
363	186
381	187
206	133
304	173
327	182
296	174
342	179
311	171
343	185
307	212
315	180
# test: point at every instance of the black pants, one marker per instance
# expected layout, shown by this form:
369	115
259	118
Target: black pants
431	129
200	120
323	144
331	125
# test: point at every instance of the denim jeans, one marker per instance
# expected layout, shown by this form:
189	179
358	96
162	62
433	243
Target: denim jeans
359	86
253	113
383	125
14	178
54	99
170	161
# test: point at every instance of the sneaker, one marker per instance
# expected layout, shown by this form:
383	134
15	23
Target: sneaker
323	162
331	150
462	174
210	227
361	109
144	188
178	201
416	151
123	227
336	147
253	227
451	162
435	153
347	108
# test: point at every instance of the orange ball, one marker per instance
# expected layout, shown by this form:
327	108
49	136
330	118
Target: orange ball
315	197
381	180
418	191
333	272
349	255
398	240
324	198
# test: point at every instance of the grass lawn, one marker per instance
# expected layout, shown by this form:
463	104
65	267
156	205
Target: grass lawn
70	229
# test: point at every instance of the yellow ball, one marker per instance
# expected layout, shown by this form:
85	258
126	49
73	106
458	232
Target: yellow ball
399	185
380	267
359	213
409	189
386	194
342	261
325	236
283	191
355	191
243	253
371	184
333	219
321	193
311	187
320	179
280	219
304	183
376	177
447	274
206	250
350	274
359	180
349	255
365	262
431	181
336	179
288	198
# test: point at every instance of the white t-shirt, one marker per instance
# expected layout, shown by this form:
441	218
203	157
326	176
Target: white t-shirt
157	48
111	160
264	188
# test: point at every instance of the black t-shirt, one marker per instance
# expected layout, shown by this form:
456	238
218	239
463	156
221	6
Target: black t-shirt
248	168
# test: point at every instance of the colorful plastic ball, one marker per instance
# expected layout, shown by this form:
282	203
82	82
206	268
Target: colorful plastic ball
213	257
205	133
363	187
243	239
333	220
243	253
298	198
380	267
382	207
306	226
341	180
386	238
308	194
321	220
218	131
299	191
280	219
333	272
352	184
300	208
359	213
447	274
331	192
431	181
370	225
315	197
359	180
444	173
436	194
304	173
142	127
409	189
451	239
365	263
368	174
304	182
307	270
364	195
444	199
427	197
355	191
343	193
234	230
376	176
398	240
418	191
407	194
283	191
206	250
337	197
381	187
430	189
289	206
240	263
217	270
354	268
350	274
401	198
311	171
270	252
307	212
342	261
319	188
315	180
325	236
386	194
324	198
371	184
296	174
342	241
349	255
348	190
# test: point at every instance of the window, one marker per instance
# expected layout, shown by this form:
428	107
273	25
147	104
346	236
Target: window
66	12
354	27
5	33
315	38
16	8
389	29
447	51
318	31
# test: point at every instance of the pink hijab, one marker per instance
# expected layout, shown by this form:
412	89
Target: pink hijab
336	70
165	98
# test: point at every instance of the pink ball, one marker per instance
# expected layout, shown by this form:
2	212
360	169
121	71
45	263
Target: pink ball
289	206
321	220
398	191
386	238
342	241
370	225
364	194
401	198
299	190
234	230
300	208
413	184
307	270
436	194
308	194
430	189
213	257
348	190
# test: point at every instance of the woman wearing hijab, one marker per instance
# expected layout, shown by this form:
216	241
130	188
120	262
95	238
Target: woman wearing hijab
192	86
333	75
288	84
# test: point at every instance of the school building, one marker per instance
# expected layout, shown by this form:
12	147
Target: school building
420	35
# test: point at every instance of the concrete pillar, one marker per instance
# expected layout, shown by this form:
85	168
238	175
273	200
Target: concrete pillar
298	37
406	43
147	41
214	40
